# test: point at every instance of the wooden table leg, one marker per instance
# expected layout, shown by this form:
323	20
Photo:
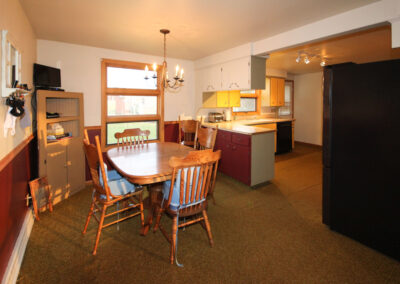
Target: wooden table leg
151	203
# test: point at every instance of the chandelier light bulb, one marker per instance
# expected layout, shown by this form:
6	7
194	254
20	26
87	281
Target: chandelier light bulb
306	60
298	59
323	63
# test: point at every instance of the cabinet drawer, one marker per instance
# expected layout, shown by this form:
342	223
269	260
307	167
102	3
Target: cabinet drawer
224	135
241	139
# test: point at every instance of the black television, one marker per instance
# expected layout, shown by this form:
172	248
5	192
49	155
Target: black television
46	76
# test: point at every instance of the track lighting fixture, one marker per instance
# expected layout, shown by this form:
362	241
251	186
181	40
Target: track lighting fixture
306	57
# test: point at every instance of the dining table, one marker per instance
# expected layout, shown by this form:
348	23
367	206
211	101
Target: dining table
148	165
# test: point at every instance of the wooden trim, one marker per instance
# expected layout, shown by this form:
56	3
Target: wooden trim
14	152
93	127
127	118
131	92
292	97
309	144
126	64
103	101
171	122
15	260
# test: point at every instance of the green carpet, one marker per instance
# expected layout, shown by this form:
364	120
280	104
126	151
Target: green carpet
271	234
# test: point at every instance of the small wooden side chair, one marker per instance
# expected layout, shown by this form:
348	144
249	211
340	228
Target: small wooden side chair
132	137
37	195
185	194
205	138
108	193
188	128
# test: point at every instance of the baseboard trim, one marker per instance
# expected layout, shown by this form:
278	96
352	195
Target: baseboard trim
15	261
308	144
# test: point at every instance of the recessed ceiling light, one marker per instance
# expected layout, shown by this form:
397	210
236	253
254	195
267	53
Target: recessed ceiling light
323	63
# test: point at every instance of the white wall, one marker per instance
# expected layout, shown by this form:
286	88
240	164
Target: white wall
308	108
81	72
14	20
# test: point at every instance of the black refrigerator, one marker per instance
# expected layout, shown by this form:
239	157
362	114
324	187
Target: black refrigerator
361	153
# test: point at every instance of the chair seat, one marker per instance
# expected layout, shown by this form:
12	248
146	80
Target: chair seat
110	174
121	187
113	175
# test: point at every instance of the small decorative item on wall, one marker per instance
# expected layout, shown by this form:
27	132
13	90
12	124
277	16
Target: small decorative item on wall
10	67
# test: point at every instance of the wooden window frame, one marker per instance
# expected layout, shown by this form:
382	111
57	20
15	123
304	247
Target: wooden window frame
291	97
256	95
159	92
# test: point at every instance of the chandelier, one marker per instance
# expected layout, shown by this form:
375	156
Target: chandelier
177	80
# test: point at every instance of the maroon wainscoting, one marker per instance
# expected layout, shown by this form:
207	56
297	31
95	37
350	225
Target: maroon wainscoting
15	173
171	131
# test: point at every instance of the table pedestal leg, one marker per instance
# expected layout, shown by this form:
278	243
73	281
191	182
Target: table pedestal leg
151	203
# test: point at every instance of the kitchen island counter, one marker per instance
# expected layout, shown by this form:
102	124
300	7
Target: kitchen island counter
248	127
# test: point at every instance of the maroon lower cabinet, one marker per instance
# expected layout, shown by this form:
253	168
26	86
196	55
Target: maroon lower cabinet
241	163
236	155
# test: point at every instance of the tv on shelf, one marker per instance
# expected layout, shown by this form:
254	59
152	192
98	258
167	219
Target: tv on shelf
46	76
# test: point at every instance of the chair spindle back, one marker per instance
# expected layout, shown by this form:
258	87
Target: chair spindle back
94	158
132	137
193	174
205	138
188	128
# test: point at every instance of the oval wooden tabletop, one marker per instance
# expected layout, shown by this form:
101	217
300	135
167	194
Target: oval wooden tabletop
148	163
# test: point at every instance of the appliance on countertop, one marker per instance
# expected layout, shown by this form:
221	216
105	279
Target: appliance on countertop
228	114
215	117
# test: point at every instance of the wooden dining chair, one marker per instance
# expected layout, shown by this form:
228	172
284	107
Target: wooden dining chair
108	193
185	194
205	138
111	174
132	137
187	132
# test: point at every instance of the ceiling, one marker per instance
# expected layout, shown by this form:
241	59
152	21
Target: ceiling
198	27
361	47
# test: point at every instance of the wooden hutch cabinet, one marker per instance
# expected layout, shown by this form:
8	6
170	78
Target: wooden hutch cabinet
61	160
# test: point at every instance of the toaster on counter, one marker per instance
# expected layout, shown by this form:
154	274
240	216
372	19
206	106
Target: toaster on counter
215	117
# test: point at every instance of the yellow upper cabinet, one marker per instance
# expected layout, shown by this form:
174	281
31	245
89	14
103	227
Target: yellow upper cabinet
234	98
221	99
274	93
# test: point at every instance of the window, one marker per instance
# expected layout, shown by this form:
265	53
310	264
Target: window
250	103
287	109
130	101
246	105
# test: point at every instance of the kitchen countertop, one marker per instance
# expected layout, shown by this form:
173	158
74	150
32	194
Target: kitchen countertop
243	127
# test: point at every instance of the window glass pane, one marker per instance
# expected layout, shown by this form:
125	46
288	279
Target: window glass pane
114	127
131	105
130	79
246	105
